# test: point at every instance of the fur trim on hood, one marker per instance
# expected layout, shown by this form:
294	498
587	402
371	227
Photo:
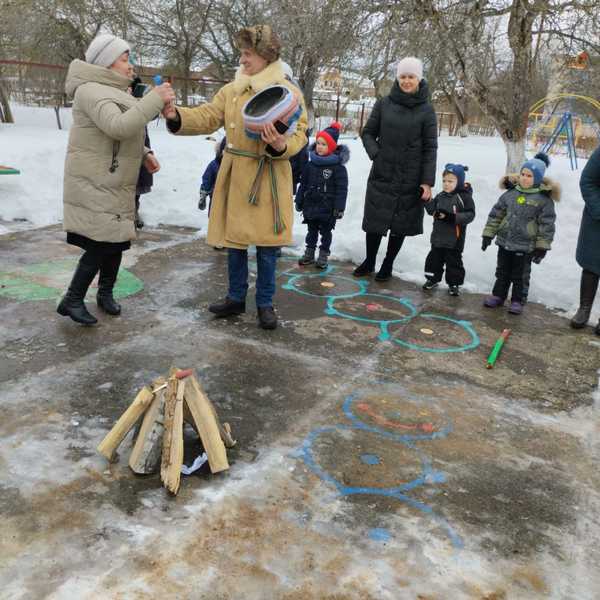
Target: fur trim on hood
342	152
548	186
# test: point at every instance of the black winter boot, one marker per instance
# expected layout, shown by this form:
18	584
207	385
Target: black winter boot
385	271
322	260
267	319
368	265
109	269
72	304
308	258
227	308
587	293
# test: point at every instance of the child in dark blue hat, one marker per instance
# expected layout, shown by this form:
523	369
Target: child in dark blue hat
523	223
323	192
452	209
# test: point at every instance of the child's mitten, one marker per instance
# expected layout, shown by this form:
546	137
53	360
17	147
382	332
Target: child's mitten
202	199
444	215
538	255
485	242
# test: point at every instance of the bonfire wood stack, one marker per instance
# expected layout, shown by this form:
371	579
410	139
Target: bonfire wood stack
159	441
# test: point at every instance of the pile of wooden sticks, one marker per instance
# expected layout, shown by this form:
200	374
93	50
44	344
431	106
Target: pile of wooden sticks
159	440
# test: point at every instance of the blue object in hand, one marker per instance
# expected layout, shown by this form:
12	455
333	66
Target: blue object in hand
157	79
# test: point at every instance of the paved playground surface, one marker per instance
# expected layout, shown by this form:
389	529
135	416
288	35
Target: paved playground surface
377	458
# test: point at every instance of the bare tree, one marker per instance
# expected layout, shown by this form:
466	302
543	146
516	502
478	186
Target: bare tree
501	78
318	34
171	31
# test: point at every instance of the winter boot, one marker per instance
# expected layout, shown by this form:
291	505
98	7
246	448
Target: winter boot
430	284
109	269
227	308
72	304
267	319
587	293
493	301
363	269
515	308
385	271
322	260
308	258
454	290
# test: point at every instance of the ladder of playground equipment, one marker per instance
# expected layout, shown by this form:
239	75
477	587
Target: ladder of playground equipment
565	124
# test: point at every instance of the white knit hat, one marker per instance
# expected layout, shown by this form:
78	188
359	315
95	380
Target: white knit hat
410	66
105	49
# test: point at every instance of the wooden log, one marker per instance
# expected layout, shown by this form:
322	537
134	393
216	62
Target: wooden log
126	421
204	415
170	402
171	475
145	456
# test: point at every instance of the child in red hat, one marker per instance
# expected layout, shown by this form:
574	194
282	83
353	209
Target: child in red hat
323	192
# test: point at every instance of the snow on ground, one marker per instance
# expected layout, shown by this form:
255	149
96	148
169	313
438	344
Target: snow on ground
36	147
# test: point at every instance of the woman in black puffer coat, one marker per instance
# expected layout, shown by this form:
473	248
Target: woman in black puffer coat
400	138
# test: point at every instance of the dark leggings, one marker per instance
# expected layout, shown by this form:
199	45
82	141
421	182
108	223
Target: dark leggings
373	242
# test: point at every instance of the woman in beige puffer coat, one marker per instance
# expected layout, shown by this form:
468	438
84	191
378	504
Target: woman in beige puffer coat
104	155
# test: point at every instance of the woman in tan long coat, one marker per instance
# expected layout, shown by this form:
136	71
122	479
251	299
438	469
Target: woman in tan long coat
104	155
248	165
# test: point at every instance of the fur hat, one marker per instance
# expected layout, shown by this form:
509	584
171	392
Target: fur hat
537	165
410	66
458	171
331	135
260	38
105	49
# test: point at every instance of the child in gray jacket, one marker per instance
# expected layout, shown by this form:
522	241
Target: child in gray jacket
523	223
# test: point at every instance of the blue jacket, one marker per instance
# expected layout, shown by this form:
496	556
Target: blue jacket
298	162
324	185
588	244
209	177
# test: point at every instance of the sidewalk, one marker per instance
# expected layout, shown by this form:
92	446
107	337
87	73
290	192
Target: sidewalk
376	458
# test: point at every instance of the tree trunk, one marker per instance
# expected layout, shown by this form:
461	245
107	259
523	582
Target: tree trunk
515	153
6	115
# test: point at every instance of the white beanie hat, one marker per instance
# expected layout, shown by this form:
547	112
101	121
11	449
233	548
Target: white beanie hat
410	66
105	49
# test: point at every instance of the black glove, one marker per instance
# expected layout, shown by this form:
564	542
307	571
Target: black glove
298	208
485	242
202	199
338	214
538	255
444	215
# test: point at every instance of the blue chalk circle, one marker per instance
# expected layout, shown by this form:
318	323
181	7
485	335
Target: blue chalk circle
370	459
379	534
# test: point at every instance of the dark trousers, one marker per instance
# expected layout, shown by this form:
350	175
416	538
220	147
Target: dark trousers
374	239
526	277
509	270
325	228
451	258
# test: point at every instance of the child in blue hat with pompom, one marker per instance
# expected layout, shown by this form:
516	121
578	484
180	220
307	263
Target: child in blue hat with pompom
523	223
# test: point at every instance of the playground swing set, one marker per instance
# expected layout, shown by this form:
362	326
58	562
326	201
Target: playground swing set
564	130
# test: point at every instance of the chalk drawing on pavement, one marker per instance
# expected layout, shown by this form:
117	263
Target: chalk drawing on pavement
49	281
365	418
398	319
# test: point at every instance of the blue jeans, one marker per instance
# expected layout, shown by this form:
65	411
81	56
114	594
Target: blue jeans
237	262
